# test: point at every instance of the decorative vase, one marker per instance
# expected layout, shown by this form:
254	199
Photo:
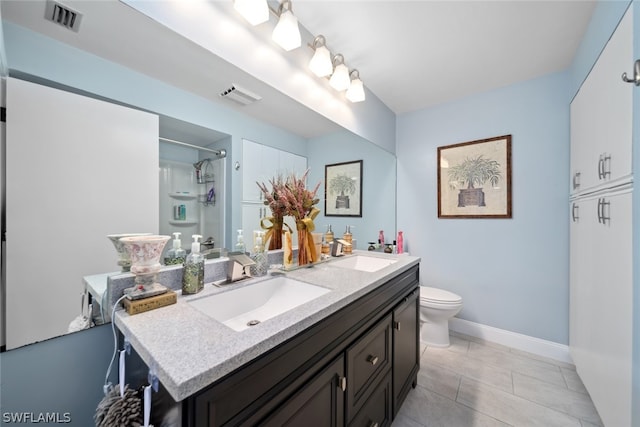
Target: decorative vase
124	260
144	252
275	240
306	246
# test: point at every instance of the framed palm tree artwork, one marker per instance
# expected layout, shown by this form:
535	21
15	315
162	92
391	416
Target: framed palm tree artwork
474	179
343	189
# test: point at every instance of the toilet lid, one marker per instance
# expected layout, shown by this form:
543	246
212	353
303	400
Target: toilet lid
438	295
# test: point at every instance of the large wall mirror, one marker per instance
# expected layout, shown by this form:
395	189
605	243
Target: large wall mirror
180	87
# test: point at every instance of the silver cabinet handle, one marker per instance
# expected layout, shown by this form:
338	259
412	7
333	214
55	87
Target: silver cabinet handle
576	180
396	325
372	359
373	424
574	212
604	166
602	216
343	383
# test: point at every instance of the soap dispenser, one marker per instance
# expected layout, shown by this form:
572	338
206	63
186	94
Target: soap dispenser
348	237
259	256
240	243
193	275
175	255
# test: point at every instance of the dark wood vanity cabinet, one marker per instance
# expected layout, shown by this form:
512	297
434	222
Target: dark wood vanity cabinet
353	368
406	348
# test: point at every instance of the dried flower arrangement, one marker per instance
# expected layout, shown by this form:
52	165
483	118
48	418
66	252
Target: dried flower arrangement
291	197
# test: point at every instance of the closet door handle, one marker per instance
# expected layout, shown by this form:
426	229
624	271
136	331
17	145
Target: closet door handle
600	167
599	211
576	180
372	359
603	216
574	212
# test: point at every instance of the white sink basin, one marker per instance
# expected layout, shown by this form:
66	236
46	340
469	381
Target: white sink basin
243	307
363	263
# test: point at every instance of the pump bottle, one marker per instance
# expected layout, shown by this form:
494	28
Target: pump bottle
240	243
259	256
175	255
193	275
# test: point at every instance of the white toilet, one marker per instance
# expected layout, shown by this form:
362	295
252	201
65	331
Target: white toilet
437	306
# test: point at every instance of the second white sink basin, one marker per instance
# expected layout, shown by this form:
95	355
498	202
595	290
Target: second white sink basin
363	263
247	306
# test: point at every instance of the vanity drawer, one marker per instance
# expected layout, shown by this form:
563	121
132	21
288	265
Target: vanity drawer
376	411
368	359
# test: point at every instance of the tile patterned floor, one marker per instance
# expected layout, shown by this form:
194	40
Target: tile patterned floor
479	383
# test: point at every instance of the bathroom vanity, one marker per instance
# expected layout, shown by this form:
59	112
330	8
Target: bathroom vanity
347	357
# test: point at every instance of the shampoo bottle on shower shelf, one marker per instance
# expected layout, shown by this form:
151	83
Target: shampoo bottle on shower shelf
193	274
175	255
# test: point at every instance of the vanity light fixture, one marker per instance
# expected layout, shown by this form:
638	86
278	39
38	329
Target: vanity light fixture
254	11
355	93
286	33
320	64
340	78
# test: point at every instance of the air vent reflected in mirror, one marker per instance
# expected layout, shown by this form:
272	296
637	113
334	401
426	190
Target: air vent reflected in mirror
63	15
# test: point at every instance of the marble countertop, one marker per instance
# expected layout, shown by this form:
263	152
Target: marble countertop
190	350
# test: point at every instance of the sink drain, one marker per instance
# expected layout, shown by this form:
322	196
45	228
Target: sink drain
252	322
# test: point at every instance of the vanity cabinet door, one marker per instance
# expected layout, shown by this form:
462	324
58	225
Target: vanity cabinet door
319	403
406	355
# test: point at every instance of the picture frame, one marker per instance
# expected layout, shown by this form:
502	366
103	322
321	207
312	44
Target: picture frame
474	179
343	189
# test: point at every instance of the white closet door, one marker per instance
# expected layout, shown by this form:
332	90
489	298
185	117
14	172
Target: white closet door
602	114
78	169
601	314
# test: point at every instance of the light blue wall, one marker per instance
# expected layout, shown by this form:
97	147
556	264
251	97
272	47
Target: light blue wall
61	375
378	187
511	273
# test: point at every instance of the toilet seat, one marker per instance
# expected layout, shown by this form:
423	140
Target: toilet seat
438	296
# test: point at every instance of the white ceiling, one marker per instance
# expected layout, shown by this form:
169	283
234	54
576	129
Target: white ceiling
411	54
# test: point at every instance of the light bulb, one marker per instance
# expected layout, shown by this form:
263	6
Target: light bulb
286	33
254	11
321	64
340	78
355	93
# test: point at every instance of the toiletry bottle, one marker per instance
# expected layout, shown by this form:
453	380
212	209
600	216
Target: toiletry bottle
259	256
175	255
348	237
400	243
193	274
240	243
325	246
328	236
381	238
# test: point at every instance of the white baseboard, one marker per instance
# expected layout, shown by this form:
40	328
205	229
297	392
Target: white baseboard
515	340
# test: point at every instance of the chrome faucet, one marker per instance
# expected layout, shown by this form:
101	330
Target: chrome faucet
238	267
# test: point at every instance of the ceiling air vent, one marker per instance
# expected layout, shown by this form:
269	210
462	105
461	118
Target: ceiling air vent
63	15
240	95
